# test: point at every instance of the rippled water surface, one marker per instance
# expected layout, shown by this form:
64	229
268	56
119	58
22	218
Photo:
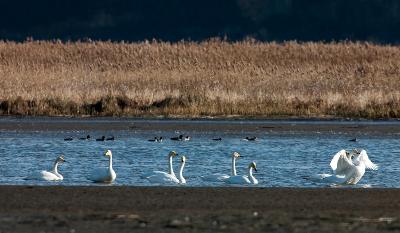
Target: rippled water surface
283	158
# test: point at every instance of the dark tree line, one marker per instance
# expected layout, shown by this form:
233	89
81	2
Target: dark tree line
173	20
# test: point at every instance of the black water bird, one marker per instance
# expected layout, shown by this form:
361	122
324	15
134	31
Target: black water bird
156	139
180	138
68	139
217	139
85	138
101	139
110	138
153	140
250	138
353	140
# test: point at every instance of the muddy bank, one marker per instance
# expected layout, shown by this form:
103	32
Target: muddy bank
123	209
48	124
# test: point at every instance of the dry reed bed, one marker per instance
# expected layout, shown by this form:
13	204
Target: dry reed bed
188	79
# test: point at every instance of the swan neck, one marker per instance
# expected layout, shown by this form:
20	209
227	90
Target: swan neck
253	180
181	178
358	162
110	163
250	172
234	166
55	168
171	169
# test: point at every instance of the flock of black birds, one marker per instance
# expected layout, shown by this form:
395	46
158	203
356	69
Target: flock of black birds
160	139
155	139
188	138
102	138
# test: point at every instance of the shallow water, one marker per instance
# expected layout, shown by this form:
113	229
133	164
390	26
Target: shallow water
283	158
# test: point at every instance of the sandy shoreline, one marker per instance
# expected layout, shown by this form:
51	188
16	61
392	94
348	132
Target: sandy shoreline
145	209
54	124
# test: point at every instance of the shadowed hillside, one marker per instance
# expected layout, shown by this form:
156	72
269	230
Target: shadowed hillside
173	20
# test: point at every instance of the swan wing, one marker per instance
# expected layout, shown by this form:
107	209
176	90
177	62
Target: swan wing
152	173
215	177
334	179
100	175
162	178
368	164
147	174
238	180
49	176
344	166
327	178
335	159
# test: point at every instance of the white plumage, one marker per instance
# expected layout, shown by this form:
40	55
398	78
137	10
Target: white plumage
354	170
221	177
336	157
249	179
162	178
104	175
52	175
166	178
348	170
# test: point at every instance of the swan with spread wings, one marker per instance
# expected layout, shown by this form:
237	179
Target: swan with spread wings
348	167
352	169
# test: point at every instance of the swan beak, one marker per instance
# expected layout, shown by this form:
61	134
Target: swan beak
255	169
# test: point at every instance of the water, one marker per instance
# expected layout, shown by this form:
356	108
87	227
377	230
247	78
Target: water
283	158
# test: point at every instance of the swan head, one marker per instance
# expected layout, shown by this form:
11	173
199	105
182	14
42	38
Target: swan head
60	159
183	159
253	165
172	154
356	151
108	153
235	155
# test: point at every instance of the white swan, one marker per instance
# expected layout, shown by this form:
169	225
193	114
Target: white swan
249	179
182	179
105	175
329	178
348	170
171	173
336	157
53	174
221	177
165	178
354	170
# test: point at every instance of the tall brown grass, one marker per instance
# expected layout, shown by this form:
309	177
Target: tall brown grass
189	79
